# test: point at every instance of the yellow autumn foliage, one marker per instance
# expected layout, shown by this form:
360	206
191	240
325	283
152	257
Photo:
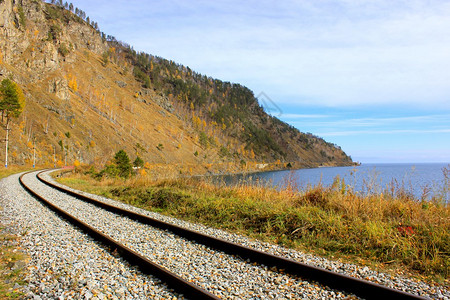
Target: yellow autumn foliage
76	163
73	85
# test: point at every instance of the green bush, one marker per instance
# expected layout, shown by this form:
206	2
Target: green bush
22	18
138	162
203	139
63	50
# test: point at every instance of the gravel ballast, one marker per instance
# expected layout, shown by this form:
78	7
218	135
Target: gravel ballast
76	265
63	262
399	282
221	274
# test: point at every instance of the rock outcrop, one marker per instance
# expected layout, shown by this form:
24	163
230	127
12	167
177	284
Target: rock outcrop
34	42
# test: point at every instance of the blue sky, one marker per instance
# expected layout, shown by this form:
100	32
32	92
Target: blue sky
371	76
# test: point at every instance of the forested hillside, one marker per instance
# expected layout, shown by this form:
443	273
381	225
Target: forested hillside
89	95
226	115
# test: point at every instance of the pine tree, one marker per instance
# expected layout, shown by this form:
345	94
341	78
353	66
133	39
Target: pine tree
138	162
12	101
123	164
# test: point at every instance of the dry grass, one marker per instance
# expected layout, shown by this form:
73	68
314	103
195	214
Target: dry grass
387	229
5	172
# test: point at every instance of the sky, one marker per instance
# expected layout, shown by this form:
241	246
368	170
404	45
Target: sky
370	76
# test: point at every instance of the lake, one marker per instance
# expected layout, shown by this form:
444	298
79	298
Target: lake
422	179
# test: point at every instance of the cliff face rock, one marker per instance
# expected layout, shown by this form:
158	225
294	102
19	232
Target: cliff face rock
39	36
14	44
59	87
39	39
5	13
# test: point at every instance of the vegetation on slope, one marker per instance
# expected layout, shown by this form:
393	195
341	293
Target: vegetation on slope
228	114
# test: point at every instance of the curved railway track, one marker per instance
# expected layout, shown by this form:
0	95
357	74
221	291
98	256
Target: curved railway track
360	288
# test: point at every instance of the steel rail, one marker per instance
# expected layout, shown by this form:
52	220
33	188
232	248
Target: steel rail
175	282
362	288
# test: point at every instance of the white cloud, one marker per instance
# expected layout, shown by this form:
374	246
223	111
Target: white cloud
333	53
383	132
426	120
304	116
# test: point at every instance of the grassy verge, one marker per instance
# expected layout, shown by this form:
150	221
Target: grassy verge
391	230
11	259
5	172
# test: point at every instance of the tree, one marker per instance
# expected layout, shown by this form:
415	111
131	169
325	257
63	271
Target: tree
105	58
12	102
73	85
12	99
203	139
138	162
123	164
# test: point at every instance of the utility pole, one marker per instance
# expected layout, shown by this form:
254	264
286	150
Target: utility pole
54	157
34	153
6	140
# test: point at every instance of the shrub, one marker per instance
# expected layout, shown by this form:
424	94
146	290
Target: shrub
105	58
22	18
223	152
77	164
63	50
138	162
203	139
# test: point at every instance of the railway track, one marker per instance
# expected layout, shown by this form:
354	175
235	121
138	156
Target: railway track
219	248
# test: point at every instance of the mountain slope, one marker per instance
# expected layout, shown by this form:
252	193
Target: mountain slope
89	96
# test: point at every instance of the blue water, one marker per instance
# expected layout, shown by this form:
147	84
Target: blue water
421	180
